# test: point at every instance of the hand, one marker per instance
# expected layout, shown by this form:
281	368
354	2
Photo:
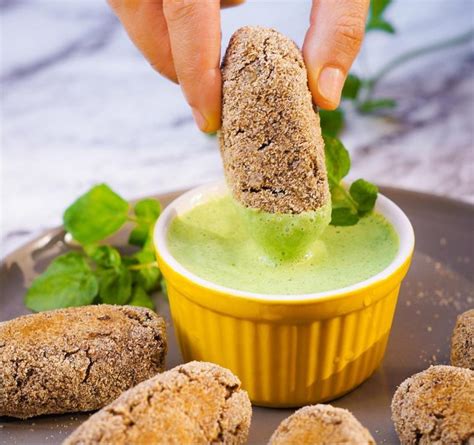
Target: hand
332	43
181	40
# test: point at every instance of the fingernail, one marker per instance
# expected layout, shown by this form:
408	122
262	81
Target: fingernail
200	119
330	83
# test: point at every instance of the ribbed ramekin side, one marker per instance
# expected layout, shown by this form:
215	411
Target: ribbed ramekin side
287	363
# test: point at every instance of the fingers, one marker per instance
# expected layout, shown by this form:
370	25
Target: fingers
145	24
331	45
194	32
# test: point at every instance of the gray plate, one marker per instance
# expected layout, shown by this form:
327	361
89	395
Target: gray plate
439	286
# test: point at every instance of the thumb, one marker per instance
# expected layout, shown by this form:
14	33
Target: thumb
331	45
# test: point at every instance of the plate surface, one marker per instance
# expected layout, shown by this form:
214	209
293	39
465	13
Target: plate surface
438	287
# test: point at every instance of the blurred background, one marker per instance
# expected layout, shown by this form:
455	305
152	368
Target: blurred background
79	105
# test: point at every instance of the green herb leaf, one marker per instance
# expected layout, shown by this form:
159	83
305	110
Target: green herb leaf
141	298
380	25
351	87
144	257
376	20
378	7
332	122
343	216
148	275
115	285
139	235
95	215
365	194
149	244
148	210
71	281
68	281
104	256
370	106
338	161
148	278
348	206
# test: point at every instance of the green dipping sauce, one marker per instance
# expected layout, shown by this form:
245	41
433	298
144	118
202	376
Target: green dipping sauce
214	242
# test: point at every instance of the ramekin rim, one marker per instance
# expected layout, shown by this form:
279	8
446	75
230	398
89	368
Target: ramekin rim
192	196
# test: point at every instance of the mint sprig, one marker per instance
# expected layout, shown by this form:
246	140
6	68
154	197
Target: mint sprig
348	206
141	298
332	122
99	273
359	93
372	105
351	87
146	213
364	193
376	20
95	215
68	281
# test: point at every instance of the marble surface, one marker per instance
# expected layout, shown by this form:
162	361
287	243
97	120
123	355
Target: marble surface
80	106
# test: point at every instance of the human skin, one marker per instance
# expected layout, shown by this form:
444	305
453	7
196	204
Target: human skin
181	39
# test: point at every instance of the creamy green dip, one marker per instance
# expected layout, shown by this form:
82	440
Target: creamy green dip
214	242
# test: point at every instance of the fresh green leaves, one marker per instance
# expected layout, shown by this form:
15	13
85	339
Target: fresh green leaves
145	271
347	206
380	25
369	106
332	122
338	161
351	87
360	91
100	273
141	298
95	215
68	281
104	256
378	7
376	19
355	90
364	193
147	212
343	216
115	284
139	235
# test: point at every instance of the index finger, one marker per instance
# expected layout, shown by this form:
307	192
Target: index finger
195	35
145	24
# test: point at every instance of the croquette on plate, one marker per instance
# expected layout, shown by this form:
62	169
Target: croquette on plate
462	341
321	425
77	359
435	406
196	403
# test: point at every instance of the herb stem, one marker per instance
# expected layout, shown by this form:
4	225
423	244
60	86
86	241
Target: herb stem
413	54
132	219
143	266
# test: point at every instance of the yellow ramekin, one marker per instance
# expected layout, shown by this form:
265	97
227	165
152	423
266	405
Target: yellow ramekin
288	350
